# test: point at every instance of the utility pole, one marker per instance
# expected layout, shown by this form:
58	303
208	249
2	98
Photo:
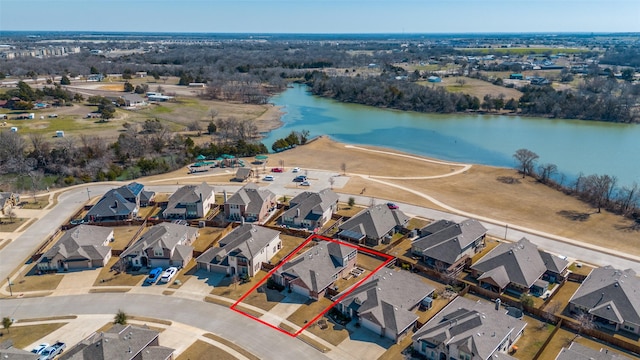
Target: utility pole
9	281
88	194
506	227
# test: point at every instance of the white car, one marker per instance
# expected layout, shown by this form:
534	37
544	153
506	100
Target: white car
40	348
268	178
168	274
296	169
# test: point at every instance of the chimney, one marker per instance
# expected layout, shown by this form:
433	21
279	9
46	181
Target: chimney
498	301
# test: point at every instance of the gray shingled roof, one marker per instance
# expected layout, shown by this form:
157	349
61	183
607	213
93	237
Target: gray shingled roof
575	351
310	202
445	240
251	196
472	325
387	297
243	173
113	203
122	342
375	221
247	239
81	242
521	263
189	194
611	294
168	235
12	353
316	266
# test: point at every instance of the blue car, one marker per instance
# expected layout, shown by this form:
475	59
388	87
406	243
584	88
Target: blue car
154	275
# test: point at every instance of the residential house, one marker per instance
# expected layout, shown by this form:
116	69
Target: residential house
313	271
310	210
448	246
8	352
163	245
243	174
242	251
7	201
373	225
133	100
519	268
121	342
612	297
190	202
575	351
83	247
250	203
385	302
120	204
467	329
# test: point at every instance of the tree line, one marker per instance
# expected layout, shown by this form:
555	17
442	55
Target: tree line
600	191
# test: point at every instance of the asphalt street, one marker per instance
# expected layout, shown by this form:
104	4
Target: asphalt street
245	332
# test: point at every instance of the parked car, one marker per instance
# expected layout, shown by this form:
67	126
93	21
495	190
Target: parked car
300	178
296	169
268	178
168	274
305	183
392	206
278	170
40	348
53	351
154	274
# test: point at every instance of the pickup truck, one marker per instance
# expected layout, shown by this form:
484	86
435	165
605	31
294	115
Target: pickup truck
53	351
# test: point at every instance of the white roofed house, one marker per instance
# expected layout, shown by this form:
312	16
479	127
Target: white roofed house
384	303
190	202
310	210
163	245
242	251
313	271
83	247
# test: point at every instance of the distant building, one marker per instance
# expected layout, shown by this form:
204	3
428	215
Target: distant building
434	79
516	77
133	100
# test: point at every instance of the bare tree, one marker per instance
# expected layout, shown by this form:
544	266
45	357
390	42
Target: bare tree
331	182
526	160
343	167
585	322
628	197
213	113
11	214
546	171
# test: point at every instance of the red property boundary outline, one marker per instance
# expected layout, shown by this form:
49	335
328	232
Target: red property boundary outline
388	258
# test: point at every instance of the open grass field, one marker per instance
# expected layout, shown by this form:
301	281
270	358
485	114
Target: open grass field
29	282
202	350
475	87
23	336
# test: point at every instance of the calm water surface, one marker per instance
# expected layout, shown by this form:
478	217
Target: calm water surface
573	145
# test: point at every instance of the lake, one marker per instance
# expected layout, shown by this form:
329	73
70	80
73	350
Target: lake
575	146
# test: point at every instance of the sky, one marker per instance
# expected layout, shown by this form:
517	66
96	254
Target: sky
322	16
